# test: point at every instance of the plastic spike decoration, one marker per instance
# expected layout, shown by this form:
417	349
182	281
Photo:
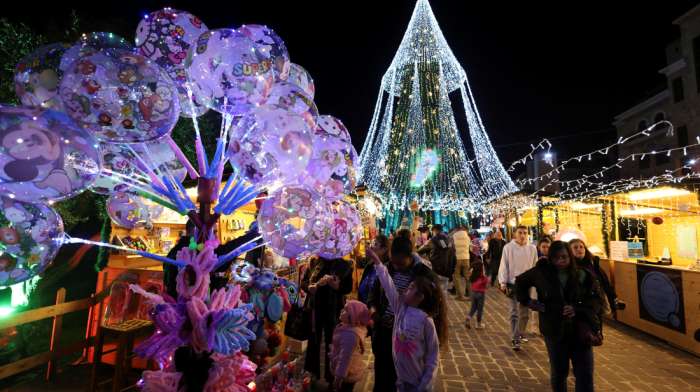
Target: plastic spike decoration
414	152
204	322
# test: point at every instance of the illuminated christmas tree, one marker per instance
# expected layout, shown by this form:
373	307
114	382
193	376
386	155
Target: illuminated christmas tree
413	151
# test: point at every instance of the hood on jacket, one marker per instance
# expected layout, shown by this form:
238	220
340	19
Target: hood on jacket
460	235
358	329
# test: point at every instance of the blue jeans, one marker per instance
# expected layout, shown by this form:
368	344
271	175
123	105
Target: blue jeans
478	299
580	355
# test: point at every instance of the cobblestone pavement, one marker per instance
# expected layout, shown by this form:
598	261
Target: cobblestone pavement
481	360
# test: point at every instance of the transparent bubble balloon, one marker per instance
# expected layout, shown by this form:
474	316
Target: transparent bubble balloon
272	46
101	41
296	220
30	235
43	156
478	246
346	232
159	159
333	127
119	170
271	146
228	72
39	73
166	36
120	97
128	210
190	106
292	97
301	78
331	172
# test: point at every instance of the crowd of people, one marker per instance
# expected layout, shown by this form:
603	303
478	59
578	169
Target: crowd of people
557	288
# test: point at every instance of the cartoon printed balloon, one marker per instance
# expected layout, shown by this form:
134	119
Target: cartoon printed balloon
119	170
332	173
101	41
128	210
120	97
39	73
228	72
292	97
301	78
43	157
346	232
296	220
331	126
159	158
30	235
271	146
190	106
272	47
165	37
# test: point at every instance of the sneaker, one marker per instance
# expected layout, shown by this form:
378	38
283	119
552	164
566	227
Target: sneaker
469	323
480	325
523	339
516	345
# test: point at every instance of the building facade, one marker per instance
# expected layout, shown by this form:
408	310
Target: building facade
676	101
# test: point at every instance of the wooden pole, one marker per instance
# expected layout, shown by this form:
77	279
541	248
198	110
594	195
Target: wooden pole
56	333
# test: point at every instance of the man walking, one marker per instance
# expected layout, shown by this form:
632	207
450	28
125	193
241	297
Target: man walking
494	255
518	256
441	254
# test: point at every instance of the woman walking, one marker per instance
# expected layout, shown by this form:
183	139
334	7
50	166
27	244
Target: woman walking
327	281
461	241
585	260
566	294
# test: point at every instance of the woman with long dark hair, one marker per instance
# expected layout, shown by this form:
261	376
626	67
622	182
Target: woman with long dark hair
566	294
586	260
327	281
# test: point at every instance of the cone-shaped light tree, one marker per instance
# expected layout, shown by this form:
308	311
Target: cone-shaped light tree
413	151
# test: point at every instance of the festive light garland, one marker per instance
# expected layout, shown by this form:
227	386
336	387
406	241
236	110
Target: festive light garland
398	160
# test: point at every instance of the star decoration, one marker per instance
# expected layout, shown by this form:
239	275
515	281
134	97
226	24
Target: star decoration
33	259
110	133
126	110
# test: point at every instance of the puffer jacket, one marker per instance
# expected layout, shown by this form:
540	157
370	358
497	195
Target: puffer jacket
441	254
461	240
346	352
586	301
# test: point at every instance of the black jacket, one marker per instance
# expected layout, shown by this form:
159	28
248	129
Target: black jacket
341	268
170	271
603	279
586	300
495	251
441	254
377	297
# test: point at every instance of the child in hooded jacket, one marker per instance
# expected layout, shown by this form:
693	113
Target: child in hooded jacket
348	346
420	329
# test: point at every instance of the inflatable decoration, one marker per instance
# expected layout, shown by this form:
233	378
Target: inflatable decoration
346	233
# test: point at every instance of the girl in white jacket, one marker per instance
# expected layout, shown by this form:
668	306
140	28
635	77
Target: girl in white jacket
420	329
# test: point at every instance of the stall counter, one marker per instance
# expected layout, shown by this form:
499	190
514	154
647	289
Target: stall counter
661	300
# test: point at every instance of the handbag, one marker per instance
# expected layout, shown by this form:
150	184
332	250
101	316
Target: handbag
298	324
586	334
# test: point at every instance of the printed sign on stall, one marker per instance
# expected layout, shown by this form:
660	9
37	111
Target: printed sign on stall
661	297
687	240
369	222
618	250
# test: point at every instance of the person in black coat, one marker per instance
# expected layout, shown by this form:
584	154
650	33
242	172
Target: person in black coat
327	281
586	260
493	256
566	294
170	271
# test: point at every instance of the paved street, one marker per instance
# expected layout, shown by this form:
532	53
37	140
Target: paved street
481	360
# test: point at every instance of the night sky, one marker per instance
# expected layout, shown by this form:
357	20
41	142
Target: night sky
536	70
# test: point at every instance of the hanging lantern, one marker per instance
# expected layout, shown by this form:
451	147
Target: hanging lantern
684	208
657	220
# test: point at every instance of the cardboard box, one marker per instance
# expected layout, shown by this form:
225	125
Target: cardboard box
297	347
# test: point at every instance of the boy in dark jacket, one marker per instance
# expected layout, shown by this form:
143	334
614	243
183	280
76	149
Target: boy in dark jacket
440	252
